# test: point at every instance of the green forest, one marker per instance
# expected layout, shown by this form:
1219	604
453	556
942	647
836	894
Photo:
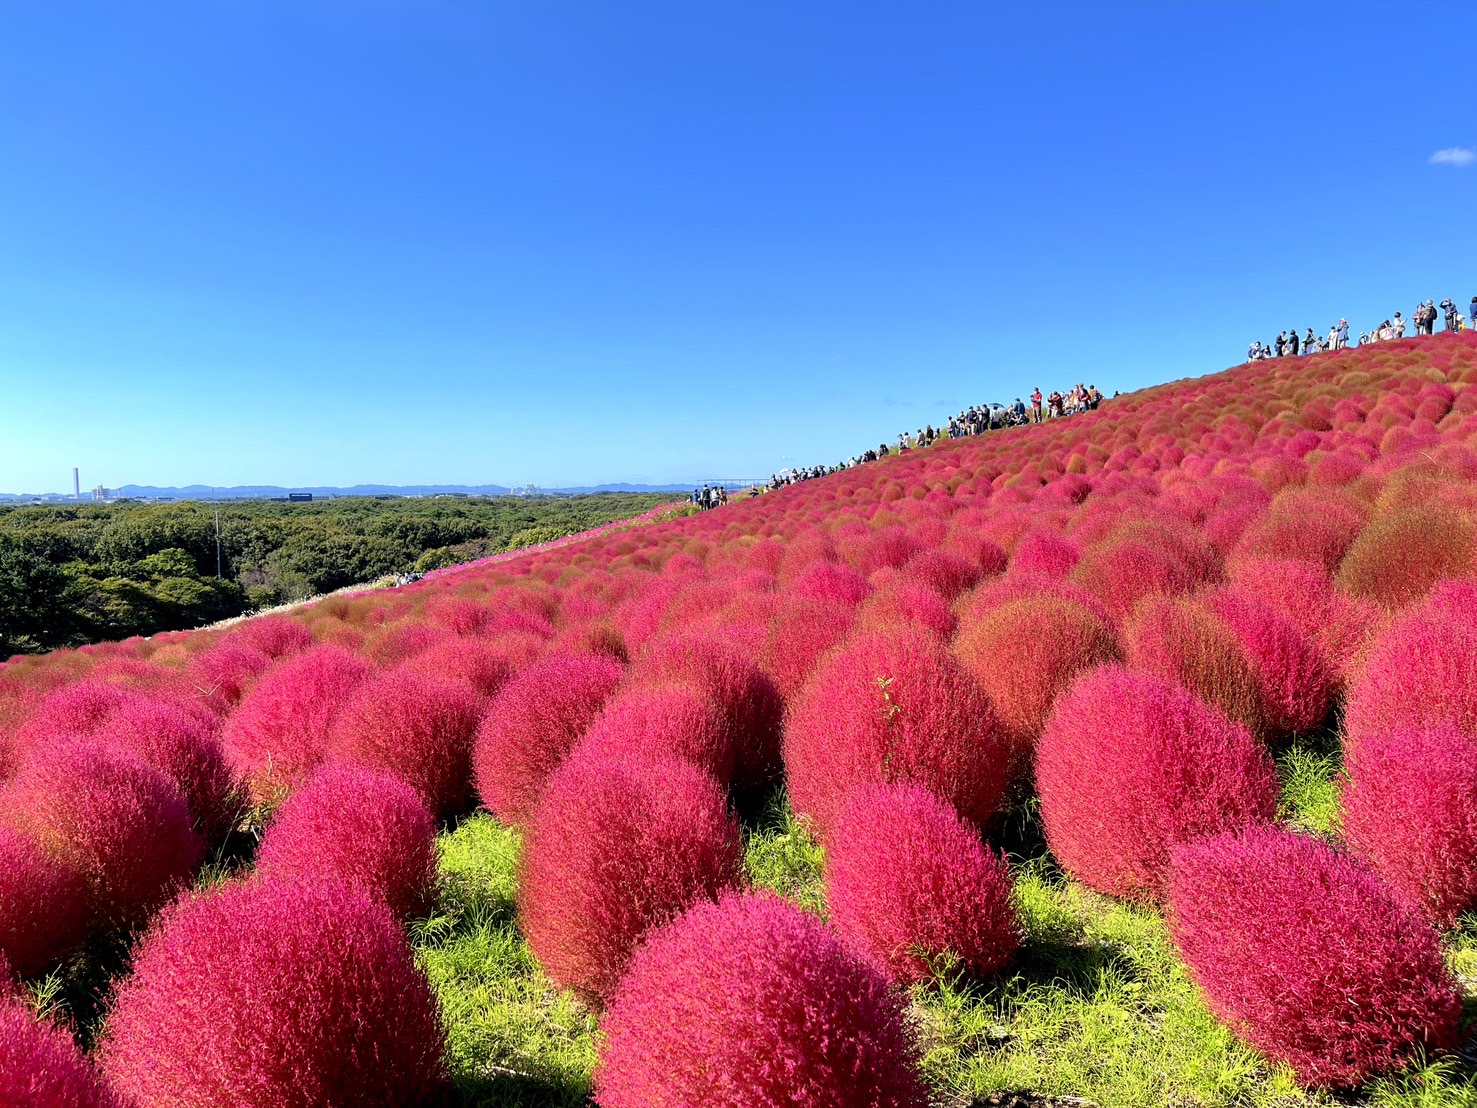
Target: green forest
79	573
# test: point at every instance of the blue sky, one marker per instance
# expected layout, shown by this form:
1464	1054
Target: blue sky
330	243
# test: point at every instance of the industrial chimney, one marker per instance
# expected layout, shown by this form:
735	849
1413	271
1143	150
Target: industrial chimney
76	484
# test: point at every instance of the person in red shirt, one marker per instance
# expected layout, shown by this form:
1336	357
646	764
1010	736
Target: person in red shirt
1036	405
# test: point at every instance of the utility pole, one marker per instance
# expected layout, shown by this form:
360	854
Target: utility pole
217	540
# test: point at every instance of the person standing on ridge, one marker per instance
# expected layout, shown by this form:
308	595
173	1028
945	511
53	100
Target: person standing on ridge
1449	307
1292	343
1343	333
1036	405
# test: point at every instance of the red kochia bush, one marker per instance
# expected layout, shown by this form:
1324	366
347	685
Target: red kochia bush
1129	765
1410	811
1308	956
419	728
908	880
481	665
752	1003
226	671
181	747
43	905
1026	651
1420	670
113	818
798	635
40	1065
360	826
617	847
280	730
893	708
533	723
274	993
664	721
1296	685
747	701
274	636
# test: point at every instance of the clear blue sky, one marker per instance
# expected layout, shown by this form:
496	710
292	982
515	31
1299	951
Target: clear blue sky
329	243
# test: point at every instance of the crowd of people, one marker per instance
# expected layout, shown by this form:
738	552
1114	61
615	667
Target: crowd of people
709	497
974	420
1288	343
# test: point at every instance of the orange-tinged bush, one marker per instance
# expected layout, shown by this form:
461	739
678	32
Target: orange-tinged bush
1026	651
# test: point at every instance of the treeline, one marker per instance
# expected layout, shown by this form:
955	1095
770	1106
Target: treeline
72	574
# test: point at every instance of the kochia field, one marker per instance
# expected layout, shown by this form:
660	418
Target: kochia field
1129	757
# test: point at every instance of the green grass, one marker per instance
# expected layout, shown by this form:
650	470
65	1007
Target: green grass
1096	1006
513	1038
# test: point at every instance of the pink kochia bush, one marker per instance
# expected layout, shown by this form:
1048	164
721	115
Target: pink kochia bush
43	905
664	721
753	1003
909	882
1130	765
533	724
183	748
1308	956
112	818
1410	811
1421	670
893	708
40	1065
356	825
1026	651
617	847
746	699
417	727
274	993
279	733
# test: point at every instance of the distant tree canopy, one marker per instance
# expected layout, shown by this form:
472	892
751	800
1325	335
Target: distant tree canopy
71	574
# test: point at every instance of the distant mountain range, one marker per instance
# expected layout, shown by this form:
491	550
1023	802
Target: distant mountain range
257	492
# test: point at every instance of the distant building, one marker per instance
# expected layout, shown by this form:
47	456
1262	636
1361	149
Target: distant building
102	492
299	498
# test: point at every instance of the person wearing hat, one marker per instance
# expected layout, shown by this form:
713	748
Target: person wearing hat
1343	334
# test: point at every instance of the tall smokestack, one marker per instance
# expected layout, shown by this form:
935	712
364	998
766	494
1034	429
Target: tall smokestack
76	483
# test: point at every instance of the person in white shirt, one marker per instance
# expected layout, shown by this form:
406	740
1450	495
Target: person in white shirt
1399	327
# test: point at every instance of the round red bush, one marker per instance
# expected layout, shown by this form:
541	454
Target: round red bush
115	820
798	635
947	574
831	581
1025	652
360	826
480	664
1308	956
893	708
1419	671
747	701
1401	554
1180	639
226	671
533	723
274	636
752	1003
1296	686
419	728
1130	765
911	883
1410	811
617	847
907	605
275	993
279	733
664	721
181	747
43	905
40	1065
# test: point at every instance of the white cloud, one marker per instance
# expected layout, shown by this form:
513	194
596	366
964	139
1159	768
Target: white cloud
1454	155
